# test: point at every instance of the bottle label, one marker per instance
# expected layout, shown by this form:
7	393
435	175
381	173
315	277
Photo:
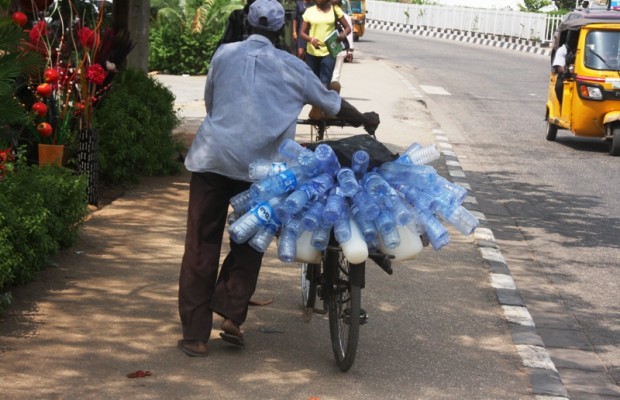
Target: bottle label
288	179
263	212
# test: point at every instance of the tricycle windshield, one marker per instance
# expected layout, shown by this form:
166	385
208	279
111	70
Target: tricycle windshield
356	7
601	51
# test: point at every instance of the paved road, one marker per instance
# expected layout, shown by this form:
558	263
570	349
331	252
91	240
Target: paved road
552	206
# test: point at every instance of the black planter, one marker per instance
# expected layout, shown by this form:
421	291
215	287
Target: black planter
88	164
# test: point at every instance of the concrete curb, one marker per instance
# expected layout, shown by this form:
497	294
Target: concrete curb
503	42
544	377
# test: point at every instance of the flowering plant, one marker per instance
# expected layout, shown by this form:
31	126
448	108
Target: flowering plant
7	158
77	49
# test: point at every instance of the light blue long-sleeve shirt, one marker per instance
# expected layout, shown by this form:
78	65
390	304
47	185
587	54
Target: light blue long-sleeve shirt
254	94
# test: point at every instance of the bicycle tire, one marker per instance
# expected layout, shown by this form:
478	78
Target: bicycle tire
344	303
308	284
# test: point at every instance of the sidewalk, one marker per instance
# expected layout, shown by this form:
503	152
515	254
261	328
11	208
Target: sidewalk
109	306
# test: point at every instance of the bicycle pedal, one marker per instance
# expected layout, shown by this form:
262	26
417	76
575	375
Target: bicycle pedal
363	316
347	316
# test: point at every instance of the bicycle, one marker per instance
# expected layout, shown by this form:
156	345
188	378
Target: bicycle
335	281
338	284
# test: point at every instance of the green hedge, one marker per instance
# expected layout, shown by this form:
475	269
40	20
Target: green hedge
135	123
179	51
42	210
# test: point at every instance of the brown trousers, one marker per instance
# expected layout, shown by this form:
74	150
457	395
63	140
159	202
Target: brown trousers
202	290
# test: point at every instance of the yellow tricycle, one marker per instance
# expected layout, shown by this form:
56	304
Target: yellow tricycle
584	92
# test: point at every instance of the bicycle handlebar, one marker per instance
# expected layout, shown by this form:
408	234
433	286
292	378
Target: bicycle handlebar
325	123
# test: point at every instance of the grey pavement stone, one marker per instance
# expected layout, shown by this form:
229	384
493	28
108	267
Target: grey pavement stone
564	338
587	384
546	381
526	335
576	359
509	297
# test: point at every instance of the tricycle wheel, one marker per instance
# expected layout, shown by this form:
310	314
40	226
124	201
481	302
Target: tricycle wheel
552	131
614	148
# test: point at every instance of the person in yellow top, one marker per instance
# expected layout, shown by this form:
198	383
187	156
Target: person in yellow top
318	22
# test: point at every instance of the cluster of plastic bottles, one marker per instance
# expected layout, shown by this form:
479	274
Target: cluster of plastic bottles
385	208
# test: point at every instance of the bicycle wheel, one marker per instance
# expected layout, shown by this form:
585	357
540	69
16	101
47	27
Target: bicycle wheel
344	309
308	284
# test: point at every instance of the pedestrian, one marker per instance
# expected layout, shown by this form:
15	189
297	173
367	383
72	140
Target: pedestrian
559	68
318	22
254	94
343	55
300	43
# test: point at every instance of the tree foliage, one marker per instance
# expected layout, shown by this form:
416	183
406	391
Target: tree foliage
564	4
534	5
182	39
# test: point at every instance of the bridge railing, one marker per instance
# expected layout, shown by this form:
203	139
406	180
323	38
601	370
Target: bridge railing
518	24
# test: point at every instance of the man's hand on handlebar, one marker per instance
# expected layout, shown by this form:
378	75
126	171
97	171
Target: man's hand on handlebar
371	122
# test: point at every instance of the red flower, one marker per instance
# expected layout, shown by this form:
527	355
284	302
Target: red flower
87	37
37	31
19	18
96	74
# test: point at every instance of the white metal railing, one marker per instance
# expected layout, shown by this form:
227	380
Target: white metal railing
524	25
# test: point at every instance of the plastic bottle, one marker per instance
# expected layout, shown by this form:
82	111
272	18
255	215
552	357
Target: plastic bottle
335	205
260	169
399	210
355	249
378	188
242	202
278	184
347	181
327	158
263	238
292	225
249	223
460	218
385	222
421	176
320	236
366	204
309	164
365	224
404	158
419	198
309	190
449	193
415	225
436	232
390	239
359	163
305	251
425	155
409	247
287	247
420	155
312	218
342	227
290	148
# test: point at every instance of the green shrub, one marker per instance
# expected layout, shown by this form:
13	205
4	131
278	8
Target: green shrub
182	38
175	51
135	123
42	210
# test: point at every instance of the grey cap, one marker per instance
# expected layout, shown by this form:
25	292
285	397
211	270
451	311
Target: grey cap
266	14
